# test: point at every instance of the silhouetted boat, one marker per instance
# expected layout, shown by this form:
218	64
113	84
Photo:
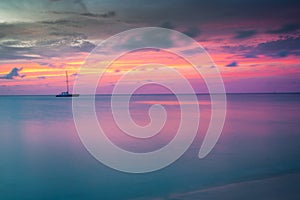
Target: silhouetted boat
67	94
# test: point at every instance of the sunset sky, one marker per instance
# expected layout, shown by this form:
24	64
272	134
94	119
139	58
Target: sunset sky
255	44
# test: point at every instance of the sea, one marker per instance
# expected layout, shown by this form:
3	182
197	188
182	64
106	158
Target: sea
257	155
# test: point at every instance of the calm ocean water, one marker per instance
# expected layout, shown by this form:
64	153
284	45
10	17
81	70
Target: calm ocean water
256	157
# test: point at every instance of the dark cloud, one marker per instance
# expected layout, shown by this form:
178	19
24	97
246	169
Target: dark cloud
13	56
67	45
249	55
236	49
2	35
17	44
55	43
277	48
41	77
244	34
104	15
58	32
167	25
287	28
283	53
10	43
5	25
194	12
183	12
13	74
52	65
81	4
68	34
15	50
64	22
232	64
108	14
148	39
192	32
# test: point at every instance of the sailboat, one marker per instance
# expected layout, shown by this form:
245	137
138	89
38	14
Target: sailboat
67	94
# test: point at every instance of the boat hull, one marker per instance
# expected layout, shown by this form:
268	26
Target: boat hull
67	95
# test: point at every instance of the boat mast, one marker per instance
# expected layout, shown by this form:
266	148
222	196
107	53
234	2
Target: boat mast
67	81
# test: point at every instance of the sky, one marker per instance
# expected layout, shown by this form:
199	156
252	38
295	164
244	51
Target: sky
255	44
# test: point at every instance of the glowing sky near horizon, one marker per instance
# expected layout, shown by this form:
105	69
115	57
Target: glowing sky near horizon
254	44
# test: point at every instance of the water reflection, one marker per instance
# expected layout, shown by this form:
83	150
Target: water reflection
43	158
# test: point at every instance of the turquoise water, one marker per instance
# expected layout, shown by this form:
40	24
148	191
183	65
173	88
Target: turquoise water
257	155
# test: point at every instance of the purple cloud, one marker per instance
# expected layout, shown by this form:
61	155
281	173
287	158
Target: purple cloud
287	28
13	74
192	32
244	34
232	64
275	49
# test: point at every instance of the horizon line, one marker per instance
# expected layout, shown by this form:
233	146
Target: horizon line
141	94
